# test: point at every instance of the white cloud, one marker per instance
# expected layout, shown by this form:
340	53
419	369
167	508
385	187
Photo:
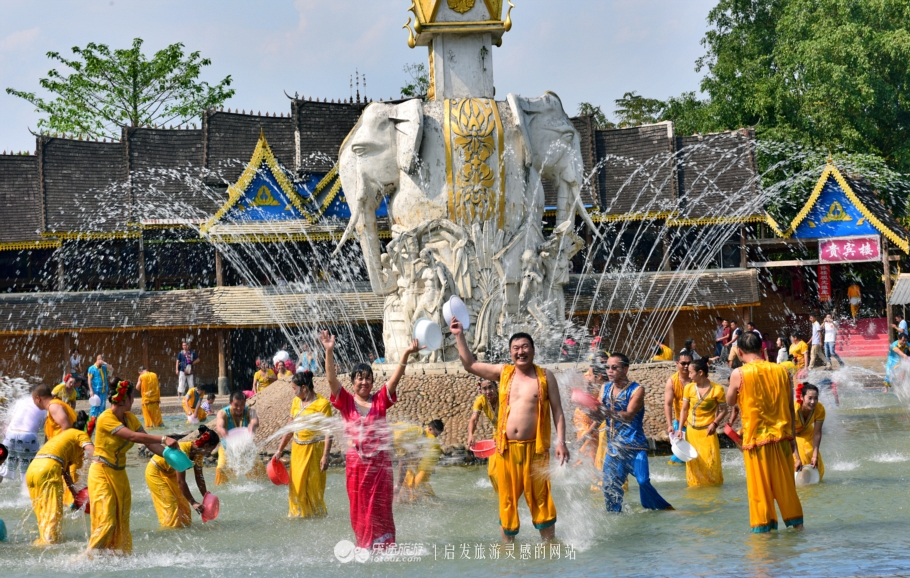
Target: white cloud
19	39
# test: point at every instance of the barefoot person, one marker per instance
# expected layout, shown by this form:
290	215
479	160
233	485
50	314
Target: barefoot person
368	464
116	430
310	452
151	398
763	391
529	394
487	403
626	448
705	404
171	495
235	415
49	473
673	396
810	416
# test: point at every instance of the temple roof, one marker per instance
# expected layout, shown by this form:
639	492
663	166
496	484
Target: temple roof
322	127
231	137
844	205
20	203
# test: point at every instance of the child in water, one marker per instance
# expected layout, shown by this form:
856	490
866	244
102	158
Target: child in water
368	459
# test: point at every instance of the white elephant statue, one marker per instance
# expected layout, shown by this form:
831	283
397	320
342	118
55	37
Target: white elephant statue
463	181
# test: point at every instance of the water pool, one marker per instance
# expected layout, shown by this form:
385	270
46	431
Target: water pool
856	523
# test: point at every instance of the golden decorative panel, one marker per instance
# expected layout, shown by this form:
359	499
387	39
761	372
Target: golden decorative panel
474	168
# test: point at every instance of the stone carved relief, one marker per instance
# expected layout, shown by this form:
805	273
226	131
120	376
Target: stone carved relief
454	230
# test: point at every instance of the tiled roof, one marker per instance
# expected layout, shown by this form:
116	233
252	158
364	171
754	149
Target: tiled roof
323	127
590	192
231	137
20	201
637	170
617	293
717	176
166	175
84	185
867	195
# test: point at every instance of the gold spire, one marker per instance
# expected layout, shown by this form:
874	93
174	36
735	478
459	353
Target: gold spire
433	17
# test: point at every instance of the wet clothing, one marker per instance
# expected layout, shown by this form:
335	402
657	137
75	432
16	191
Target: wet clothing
894	360
151	400
482	405
626	453
172	507
192	405
98	380
368	467
805	432
705	470
765	406
306	491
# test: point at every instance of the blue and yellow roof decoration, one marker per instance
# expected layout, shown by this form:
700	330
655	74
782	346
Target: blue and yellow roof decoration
267	192
843	206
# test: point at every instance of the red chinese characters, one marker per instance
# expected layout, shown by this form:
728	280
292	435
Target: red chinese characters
848	250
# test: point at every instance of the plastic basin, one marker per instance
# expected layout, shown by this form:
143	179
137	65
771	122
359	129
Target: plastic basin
210	507
177	459
584	399
807	476
484	449
278	473
683	450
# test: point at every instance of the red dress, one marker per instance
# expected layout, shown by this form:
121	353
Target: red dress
369	468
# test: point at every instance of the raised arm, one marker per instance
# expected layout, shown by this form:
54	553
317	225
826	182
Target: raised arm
471	365
562	452
153	443
328	341
398	373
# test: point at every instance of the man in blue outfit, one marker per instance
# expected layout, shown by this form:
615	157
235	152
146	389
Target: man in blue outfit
99	375
623	410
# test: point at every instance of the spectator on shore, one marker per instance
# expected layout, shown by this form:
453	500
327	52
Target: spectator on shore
782	355
690	349
899	325
720	336
831	342
817	351
186	359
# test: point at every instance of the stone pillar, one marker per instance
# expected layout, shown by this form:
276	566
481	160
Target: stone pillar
141	265
223	388
743	251
219	269
886	265
61	269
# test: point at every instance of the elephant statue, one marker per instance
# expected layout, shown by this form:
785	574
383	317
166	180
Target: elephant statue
454	172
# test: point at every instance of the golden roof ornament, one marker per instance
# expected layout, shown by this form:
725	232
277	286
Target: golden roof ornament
432	17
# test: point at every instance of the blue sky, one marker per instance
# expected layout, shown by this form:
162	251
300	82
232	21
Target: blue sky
583	50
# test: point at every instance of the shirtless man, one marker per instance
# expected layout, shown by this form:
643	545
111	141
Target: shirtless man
526	393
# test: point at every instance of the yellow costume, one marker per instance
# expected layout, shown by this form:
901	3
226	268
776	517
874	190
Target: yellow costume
482	405
193	399
50	426
285	373
854	295
173	509
44	478
51	430
524	465
582	422
666	354
705	470
151	400
798	353
764	402
417	481
805	431
109	486
67	396
263	380
307	488
678	393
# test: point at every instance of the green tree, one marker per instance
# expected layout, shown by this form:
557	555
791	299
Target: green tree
107	89
633	109
600	119
825	73
419	84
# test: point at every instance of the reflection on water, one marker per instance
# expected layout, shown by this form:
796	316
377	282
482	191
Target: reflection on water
861	508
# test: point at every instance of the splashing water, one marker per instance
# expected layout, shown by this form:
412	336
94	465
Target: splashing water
241	451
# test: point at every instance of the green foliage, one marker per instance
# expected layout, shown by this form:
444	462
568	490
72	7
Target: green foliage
108	89
824	73
633	109
600	119
420	81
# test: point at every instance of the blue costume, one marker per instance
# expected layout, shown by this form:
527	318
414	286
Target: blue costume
894	359
626	453
98	381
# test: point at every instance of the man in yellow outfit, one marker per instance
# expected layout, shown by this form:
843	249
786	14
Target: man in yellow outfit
673	397
48	473
855	295
192	406
487	403
528	394
810	416
151	398
799	350
417	480
60	416
763	391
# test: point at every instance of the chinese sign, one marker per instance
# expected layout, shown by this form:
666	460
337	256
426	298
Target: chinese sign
849	250
824	283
